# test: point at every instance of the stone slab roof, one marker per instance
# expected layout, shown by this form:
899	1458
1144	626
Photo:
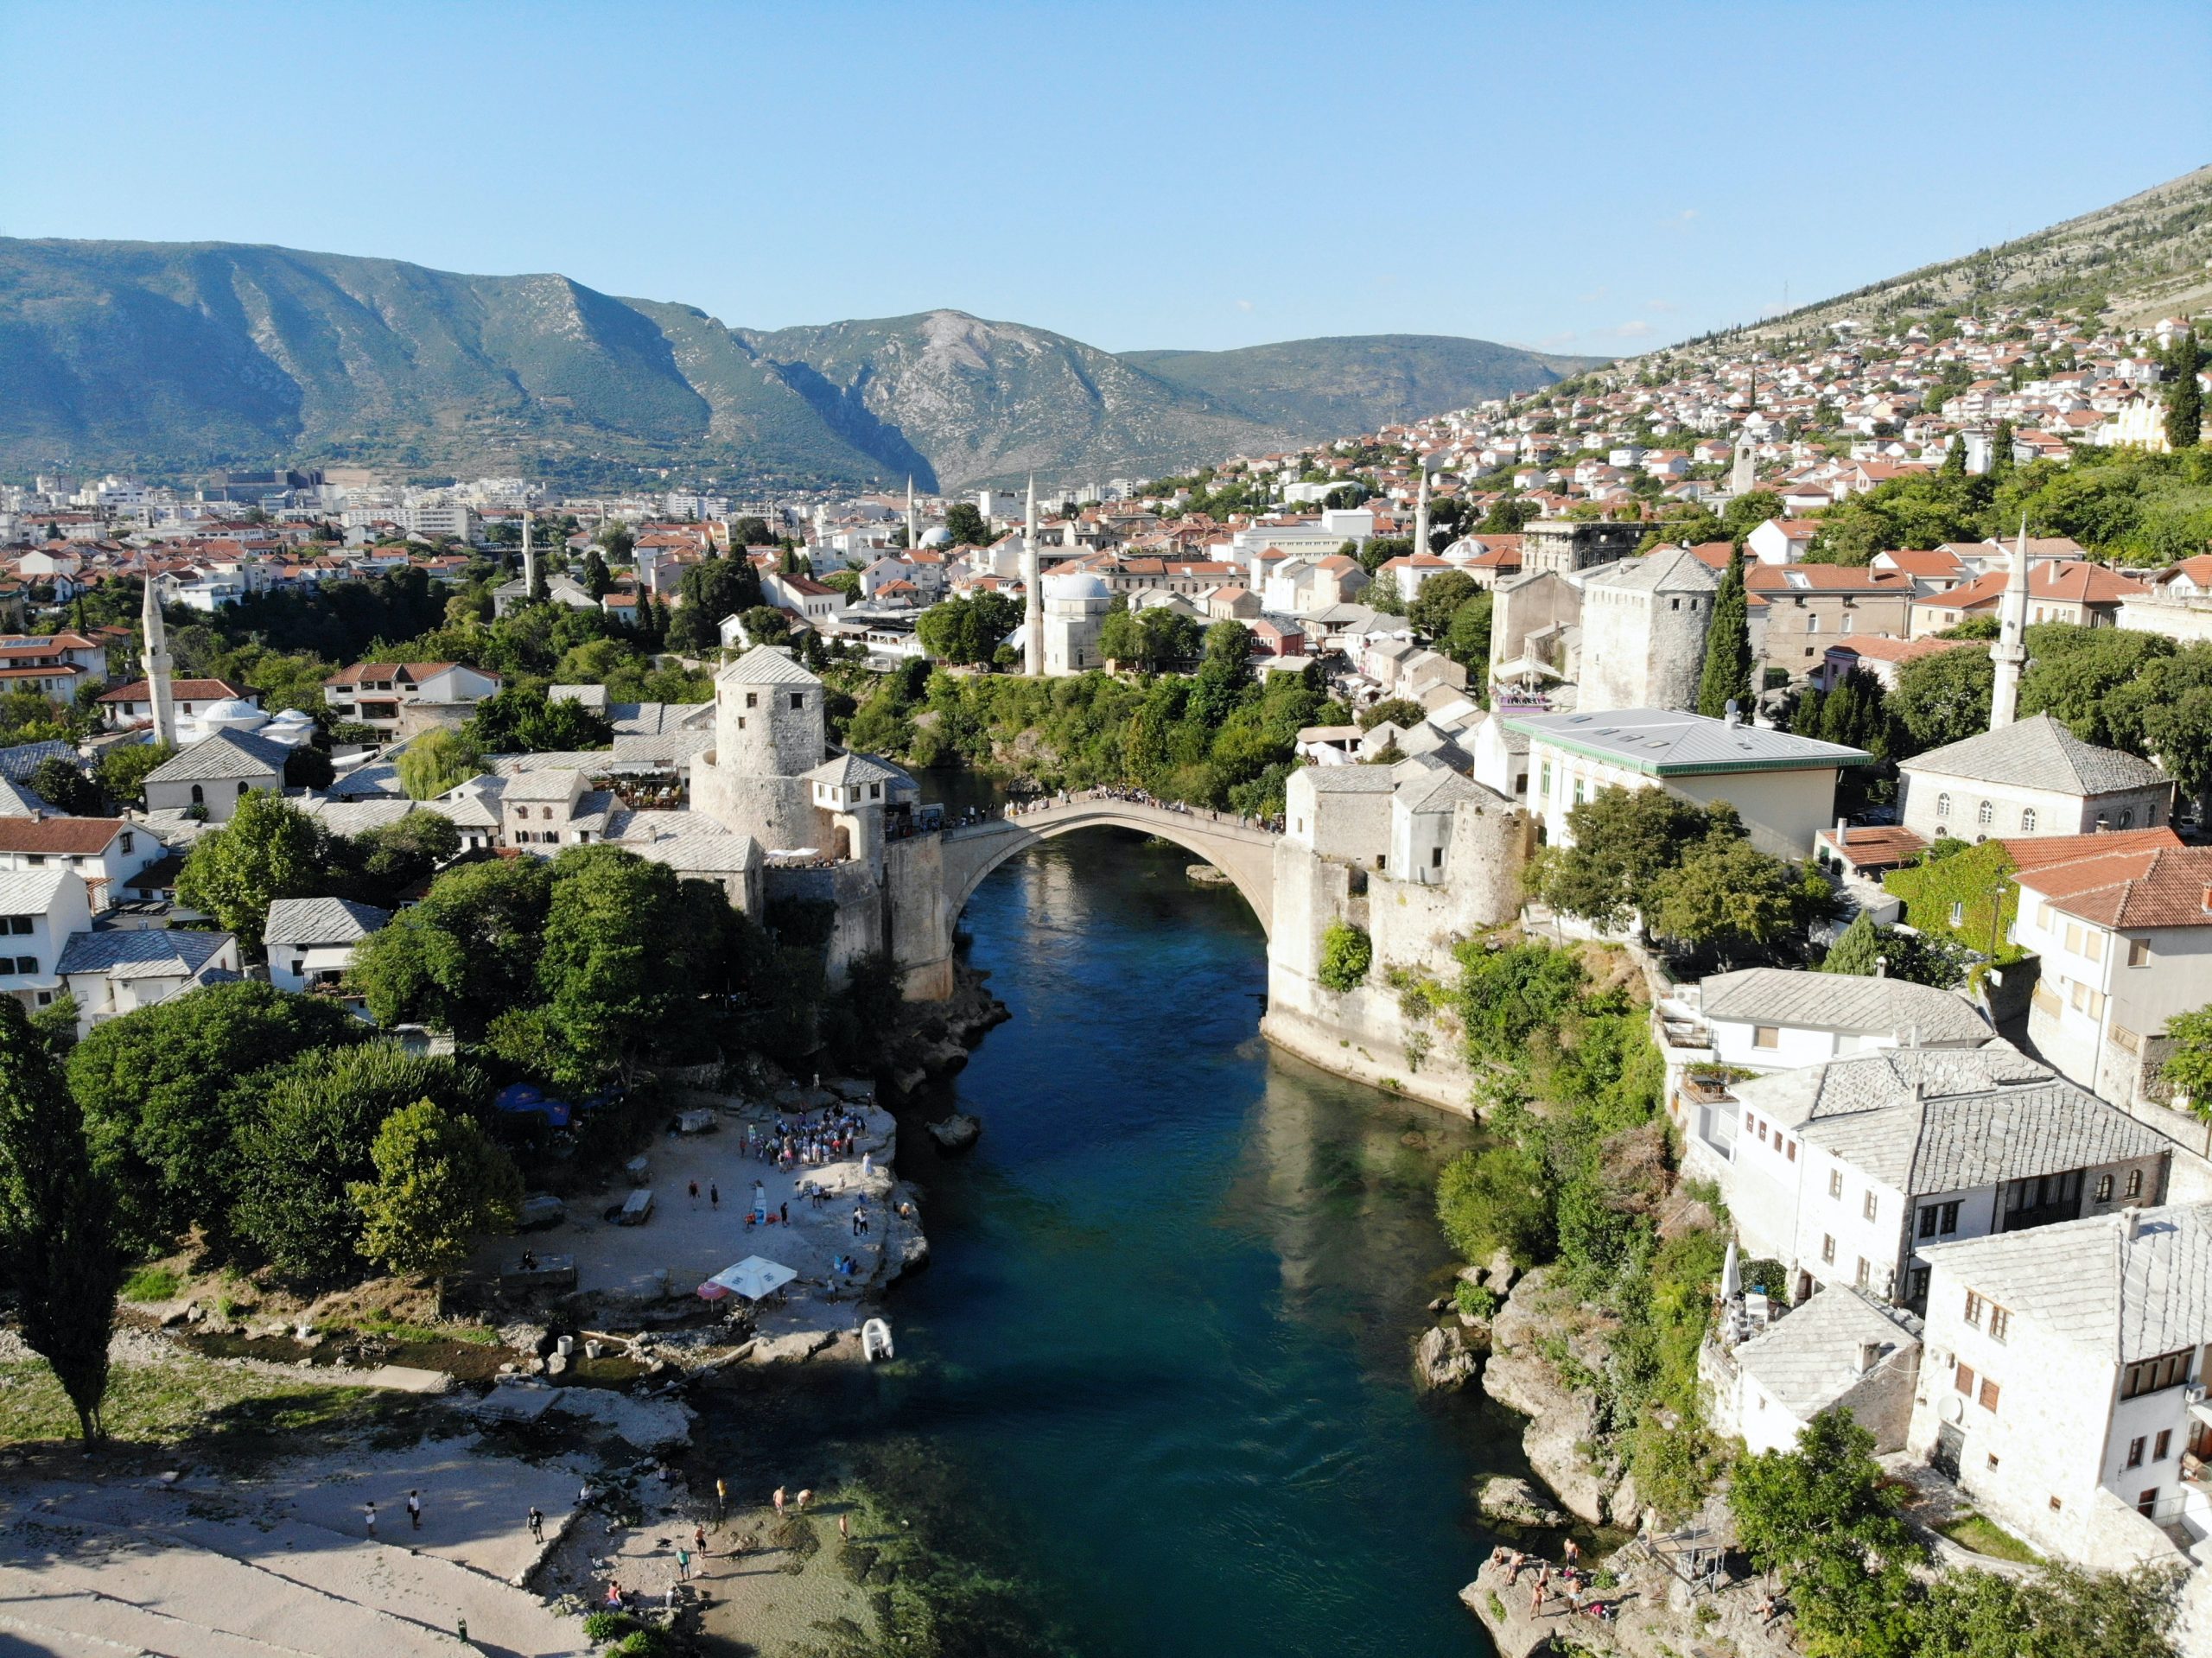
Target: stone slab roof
1666	742
151	953
770	665
1810	1359
2090	1283
2037	752
29	892
224	755
323	921
1840	1001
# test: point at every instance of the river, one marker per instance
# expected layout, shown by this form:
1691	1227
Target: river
1154	1388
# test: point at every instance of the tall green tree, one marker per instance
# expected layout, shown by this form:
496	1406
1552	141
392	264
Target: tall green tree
1727	675
964	522
1941	698
57	1237
1438	602
440	1184
598	579
709	591
2185	398
465	955
156	1085
270	849
306	1137
603	968
436	762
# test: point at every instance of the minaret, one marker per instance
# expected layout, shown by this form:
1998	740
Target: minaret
529	563
1033	590
913	526
155	662
1421	515
2012	652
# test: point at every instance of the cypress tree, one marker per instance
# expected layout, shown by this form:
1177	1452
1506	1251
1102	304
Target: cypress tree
1728	647
2185	403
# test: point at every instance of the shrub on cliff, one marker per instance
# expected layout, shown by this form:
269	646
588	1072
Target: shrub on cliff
1346	954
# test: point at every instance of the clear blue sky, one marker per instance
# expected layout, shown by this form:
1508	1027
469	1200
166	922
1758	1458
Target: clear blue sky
1597	178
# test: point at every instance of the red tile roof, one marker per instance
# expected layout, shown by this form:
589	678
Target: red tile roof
59	835
2162	886
195	690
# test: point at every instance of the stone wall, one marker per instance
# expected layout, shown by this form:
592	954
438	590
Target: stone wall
857	927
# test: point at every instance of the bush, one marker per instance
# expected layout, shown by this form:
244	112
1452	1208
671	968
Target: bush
150	1284
1346	954
1475	1300
608	1625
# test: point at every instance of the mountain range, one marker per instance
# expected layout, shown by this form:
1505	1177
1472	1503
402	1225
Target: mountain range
171	359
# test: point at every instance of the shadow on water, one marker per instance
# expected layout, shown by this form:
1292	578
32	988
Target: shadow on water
1154	1394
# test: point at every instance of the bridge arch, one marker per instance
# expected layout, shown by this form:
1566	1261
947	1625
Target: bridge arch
1240	852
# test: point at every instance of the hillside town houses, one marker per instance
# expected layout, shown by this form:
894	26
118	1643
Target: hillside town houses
1978	1219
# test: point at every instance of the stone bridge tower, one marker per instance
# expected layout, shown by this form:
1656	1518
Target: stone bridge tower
770	731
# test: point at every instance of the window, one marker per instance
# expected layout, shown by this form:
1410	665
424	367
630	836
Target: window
1791	1149
1835	1183
242	789
27	964
199	795
1973	1309
1436	857
2027	827
2135	1183
1957	914
2134	1452
2055	1505
1766	1036
1827	1250
2000	1322
1963	1380
1988	1400
1871	1207
753	699
2128	818
1928	1222
2146	1503
1864	1275
2043	914
2154	1375
798	699
1993	1462
2093	944
2138	952
1986	813
2165	1443
1942	805
2104	1188
126	839
19	923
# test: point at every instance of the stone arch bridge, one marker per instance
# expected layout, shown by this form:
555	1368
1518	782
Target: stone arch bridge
1240	852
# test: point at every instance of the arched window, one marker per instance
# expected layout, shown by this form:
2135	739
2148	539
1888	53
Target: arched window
1942	805
242	789
2128	818
1987	814
2027	820
199	795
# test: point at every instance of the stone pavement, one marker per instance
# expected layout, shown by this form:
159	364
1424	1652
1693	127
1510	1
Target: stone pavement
203	1568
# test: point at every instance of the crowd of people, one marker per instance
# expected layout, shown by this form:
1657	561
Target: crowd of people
1569	1582
1135	797
808	1140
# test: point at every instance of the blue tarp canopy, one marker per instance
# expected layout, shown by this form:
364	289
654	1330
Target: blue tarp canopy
529	1099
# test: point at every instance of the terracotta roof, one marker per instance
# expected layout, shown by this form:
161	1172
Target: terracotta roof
2041	851
2068	581
1880	648
2162	886
1932	560
1875	846
197	690
1785	578
62	835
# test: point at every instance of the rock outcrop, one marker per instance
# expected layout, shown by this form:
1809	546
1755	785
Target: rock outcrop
1563	1426
956	1132
1443	1360
1516	1502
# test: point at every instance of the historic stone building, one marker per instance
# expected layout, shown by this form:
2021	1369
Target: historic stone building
1643	627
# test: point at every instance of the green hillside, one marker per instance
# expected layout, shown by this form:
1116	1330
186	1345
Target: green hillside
170	359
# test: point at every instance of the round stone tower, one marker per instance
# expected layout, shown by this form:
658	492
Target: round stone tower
770	731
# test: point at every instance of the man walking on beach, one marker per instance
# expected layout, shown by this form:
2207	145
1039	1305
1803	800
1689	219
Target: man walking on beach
369	1511
684	1565
695	1194
779	1499
536	1525
415	1510
721	1496
714	1196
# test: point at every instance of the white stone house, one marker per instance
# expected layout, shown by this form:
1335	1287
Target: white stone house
40	911
377	693
2064	1383
113	972
1766	1019
547	808
2031	778
1838	1351
210	778
104	851
1843	1171
2124	942
311	940
1782	786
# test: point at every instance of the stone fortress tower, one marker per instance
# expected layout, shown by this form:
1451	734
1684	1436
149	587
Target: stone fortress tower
1643	627
771	729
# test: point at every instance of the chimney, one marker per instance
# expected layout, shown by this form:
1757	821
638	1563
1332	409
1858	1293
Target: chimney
1870	1354
2131	1224
1734	715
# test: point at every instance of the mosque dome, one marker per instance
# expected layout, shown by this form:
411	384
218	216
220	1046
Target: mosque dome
234	714
939	536
1077	585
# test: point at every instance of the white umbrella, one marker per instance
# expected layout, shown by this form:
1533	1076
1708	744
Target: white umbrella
1731	1276
752	1277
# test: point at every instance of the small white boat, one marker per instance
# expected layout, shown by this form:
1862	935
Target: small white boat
875	1339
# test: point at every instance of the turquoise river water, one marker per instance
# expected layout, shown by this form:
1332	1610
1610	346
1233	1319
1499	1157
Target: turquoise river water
1154	1389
